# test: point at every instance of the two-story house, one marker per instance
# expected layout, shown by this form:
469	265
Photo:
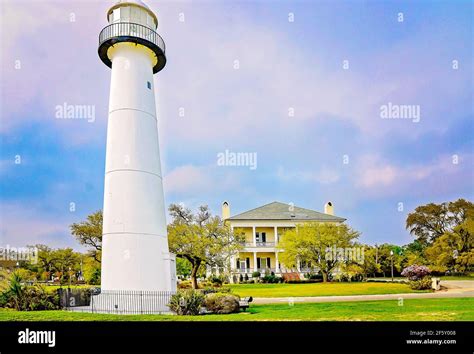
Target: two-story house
263	227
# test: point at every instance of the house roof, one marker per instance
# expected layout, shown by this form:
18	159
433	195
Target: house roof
281	211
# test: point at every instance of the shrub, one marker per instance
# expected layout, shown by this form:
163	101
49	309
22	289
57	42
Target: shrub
314	276
255	274
187	302
271	279
342	277
27	297
210	290
357	277
185	284
246	277
418	277
416	272
205	284
222	303
216	281
421	284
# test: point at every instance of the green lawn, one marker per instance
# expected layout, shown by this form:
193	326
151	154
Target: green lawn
319	289
458	309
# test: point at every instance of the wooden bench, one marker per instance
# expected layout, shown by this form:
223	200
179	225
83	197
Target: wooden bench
244	302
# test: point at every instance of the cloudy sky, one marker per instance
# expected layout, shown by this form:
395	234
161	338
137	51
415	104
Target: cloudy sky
301	84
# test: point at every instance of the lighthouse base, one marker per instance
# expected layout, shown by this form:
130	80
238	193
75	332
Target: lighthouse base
137	262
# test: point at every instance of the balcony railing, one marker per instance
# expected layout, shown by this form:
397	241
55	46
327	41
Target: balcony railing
247	244
265	244
258	244
135	33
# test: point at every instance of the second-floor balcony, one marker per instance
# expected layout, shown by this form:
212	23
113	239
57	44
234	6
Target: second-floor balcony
258	244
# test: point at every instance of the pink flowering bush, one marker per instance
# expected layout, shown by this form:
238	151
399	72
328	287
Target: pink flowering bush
416	272
418	276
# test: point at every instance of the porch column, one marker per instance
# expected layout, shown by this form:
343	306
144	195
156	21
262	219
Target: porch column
254	236
277	267
275	230
255	262
232	266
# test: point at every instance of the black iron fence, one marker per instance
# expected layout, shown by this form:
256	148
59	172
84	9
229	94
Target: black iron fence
131	302
115	301
74	297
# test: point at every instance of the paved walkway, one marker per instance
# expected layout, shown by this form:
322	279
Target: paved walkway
453	289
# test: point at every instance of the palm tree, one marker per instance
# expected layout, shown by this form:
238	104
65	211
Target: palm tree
16	291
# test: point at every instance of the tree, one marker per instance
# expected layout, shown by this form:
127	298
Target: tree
62	261
201	238
47	259
67	263
453	251
368	265
413	253
89	233
315	243
183	267
385	258
92	271
445	233
431	221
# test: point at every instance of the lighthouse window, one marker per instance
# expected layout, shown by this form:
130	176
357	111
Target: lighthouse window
125	14
117	15
135	14
148	83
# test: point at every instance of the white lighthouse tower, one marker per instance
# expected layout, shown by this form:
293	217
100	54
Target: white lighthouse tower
135	255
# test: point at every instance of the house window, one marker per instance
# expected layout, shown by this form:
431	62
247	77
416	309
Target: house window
243	265
148	84
261	236
263	262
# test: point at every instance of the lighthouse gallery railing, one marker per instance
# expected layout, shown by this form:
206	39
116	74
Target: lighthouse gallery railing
131	30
